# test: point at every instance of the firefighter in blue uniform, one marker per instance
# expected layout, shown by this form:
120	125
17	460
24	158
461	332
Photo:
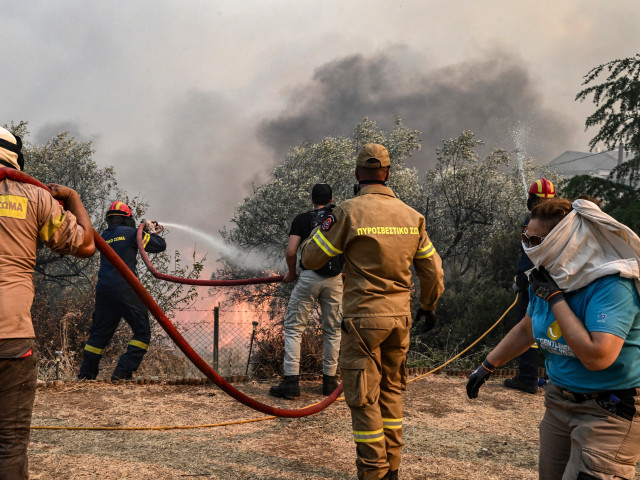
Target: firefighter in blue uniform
115	299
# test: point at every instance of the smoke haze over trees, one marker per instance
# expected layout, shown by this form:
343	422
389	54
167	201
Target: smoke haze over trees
473	204
488	96
65	285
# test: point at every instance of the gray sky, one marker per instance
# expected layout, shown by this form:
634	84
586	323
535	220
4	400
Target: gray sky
192	101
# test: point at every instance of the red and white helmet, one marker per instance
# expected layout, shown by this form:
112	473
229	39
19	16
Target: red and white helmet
119	208
542	188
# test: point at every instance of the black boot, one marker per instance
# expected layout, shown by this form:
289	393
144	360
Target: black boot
518	384
90	366
329	384
121	375
391	475
289	388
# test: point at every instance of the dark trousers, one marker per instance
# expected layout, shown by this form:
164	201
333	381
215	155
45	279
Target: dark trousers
17	392
110	308
528	361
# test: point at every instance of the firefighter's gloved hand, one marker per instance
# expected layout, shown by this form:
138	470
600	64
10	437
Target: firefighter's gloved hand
151	226
478	377
544	286
425	320
159	228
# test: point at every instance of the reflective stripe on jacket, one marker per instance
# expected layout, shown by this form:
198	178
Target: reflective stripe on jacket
380	237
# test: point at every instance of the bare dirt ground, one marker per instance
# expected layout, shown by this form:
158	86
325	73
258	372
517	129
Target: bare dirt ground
447	436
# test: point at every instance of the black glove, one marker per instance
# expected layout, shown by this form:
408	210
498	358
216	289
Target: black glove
478	377
426	319
544	287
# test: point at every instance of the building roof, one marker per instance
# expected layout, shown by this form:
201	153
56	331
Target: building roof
572	163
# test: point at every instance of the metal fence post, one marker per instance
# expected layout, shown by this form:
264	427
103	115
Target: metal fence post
216	333
253	335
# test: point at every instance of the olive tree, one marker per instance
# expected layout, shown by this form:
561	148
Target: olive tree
261	222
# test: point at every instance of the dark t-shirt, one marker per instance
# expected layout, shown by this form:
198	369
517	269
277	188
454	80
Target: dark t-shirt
302	224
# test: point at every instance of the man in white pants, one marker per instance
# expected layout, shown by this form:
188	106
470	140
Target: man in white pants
324	286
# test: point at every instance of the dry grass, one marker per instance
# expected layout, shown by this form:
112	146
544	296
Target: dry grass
447	436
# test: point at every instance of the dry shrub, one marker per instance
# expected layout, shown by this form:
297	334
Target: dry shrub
268	350
60	326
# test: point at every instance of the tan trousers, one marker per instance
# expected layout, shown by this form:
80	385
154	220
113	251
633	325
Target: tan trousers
17	393
310	288
373	354
582	440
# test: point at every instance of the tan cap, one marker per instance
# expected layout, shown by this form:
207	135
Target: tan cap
373	155
5	154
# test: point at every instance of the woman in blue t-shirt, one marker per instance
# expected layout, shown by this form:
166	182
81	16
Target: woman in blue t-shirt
584	314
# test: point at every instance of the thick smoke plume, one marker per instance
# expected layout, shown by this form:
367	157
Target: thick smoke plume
487	96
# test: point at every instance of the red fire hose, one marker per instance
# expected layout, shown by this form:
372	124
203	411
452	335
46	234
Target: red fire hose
194	281
171	330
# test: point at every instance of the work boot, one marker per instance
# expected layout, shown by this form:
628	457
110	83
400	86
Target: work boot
517	384
391	475
289	388
120	375
329	384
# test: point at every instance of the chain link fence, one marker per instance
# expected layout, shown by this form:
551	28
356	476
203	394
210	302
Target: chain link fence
223	338
229	341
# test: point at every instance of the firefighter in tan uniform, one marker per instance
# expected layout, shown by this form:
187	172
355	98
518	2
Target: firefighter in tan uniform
27	213
380	237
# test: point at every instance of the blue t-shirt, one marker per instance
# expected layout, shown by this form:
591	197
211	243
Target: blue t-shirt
609	304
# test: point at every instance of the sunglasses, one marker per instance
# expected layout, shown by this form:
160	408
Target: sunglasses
531	241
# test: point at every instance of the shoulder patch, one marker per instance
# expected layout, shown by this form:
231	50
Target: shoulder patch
13	206
327	223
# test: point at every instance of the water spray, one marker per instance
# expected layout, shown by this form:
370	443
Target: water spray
520	134
241	258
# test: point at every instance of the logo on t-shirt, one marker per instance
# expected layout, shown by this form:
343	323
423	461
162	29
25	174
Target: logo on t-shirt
554	331
602	317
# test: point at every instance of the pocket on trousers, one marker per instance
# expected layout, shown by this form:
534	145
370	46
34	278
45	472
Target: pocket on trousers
598	462
354	380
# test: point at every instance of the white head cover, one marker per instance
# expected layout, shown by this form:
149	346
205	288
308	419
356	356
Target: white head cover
588	244
7	155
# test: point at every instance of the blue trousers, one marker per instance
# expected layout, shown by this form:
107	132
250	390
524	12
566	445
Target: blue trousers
110	308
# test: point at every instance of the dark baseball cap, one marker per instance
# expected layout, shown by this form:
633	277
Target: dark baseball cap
373	155
321	193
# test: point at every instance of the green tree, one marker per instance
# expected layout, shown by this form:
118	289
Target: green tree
617	101
470	200
617	115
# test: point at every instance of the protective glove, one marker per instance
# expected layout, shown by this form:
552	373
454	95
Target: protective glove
151	226
544	286
515	287
425	320
478	377
159	228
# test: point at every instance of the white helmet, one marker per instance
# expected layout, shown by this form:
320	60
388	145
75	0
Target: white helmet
10	147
